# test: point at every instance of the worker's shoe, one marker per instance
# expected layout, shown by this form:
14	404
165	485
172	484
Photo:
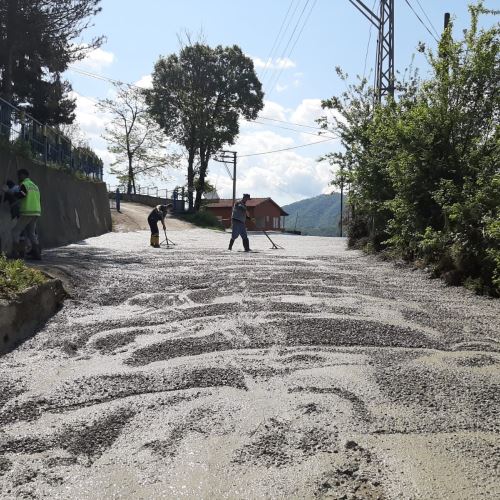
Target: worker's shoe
231	243
152	240
246	245
36	252
156	240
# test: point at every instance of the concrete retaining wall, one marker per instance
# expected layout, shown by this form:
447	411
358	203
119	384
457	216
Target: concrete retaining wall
72	209
20	318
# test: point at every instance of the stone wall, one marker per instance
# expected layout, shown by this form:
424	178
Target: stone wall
72	209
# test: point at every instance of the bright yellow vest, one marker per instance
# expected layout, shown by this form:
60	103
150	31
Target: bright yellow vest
30	204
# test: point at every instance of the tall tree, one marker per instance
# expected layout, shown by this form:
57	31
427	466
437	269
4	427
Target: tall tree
198	97
136	140
38	40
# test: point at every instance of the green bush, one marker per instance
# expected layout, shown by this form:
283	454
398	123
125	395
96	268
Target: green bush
204	218
16	276
423	167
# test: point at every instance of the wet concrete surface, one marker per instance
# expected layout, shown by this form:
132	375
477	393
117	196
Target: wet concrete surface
195	372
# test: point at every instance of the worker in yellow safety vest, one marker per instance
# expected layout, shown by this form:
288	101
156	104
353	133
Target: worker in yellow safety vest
30	211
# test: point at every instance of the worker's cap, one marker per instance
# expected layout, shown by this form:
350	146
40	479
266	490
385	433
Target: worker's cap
246	195
163	208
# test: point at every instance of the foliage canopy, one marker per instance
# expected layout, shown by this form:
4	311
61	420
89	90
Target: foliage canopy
423	169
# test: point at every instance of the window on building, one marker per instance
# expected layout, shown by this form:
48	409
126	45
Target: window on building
276	222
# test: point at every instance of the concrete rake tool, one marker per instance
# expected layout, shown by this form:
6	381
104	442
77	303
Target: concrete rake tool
166	240
274	246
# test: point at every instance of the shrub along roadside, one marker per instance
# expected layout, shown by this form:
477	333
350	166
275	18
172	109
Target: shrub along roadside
16	277
424	167
203	218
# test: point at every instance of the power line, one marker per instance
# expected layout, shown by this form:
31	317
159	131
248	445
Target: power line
422	22
112	80
303	26
427	17
269	59
274	81
292	129
270	77
285	149
291	123
100	77
369	42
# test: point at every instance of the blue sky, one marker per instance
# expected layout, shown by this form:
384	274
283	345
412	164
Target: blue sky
335	34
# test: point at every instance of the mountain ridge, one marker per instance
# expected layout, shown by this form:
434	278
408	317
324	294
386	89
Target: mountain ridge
316	216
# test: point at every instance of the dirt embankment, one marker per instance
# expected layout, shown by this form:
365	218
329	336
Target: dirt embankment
195	372
133	217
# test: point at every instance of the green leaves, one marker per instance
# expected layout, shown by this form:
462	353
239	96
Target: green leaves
198	97
424	167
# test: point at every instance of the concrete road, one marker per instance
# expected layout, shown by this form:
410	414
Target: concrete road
308	372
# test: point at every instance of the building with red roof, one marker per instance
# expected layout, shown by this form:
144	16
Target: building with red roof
267	213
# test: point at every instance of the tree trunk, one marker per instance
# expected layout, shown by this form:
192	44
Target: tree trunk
7	87
204	157
190	177
130	176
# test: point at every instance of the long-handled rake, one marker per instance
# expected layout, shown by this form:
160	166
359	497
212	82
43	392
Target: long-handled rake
274	246
166	240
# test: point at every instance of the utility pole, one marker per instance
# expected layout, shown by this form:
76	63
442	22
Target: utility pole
384	66
446	19
341	205
229	157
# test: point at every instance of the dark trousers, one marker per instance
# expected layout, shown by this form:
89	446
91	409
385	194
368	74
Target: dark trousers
153	226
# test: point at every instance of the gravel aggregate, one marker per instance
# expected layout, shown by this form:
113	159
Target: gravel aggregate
195	372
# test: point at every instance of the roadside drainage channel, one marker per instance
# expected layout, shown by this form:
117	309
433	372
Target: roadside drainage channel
21	317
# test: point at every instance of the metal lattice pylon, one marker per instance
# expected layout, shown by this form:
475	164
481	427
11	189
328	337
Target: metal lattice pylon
384	74
384	66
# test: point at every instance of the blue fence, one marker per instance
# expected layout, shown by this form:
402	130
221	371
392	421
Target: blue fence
46	143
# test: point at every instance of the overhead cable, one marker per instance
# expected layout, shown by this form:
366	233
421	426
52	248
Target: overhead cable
285	149
427	17
284	55
269	59
420	19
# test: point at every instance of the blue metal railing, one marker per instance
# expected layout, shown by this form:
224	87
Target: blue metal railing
45	143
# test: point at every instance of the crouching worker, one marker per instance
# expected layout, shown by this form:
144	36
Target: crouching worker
29	213
238	221
158	214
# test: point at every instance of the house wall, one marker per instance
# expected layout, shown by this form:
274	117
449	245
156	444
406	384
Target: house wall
267	215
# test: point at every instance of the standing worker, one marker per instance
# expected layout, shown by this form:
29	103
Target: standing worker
30	211
238	220
158	214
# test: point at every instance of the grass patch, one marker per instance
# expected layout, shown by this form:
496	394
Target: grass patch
203	218
16	277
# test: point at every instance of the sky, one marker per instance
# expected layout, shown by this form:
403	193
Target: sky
295	46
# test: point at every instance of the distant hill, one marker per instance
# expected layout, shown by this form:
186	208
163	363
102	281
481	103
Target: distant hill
318	216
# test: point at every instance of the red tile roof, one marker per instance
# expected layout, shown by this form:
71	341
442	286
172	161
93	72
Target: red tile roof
228	203
252	202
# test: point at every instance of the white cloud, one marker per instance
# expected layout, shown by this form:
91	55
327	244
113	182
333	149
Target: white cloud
273	110
281	88
307	112
97	59
146	82
277	63
286	176
91	120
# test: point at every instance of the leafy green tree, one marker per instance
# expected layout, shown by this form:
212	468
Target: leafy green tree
134	138
37	44
197	98
424	167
